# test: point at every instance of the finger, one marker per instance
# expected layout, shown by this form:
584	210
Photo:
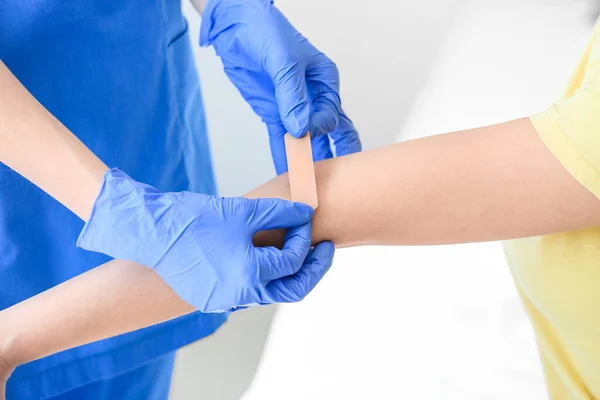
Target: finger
275	264
261	46
288	73
267	214
295	288
321	148
239	51
276	133
345	137
292	100
257	89
322	79
261	52
324	118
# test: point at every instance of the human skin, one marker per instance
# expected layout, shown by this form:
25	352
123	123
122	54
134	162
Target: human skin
37	146
491	183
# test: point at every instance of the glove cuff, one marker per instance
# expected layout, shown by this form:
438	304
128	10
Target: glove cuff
121	222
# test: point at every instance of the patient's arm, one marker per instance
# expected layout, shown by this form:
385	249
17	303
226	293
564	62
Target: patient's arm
489	183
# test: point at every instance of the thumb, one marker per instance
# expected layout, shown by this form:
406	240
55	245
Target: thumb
292	98
295	287
270	214
288	74
275	263
324	84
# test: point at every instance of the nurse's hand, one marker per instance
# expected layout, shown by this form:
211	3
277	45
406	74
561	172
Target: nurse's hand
290	84
202	247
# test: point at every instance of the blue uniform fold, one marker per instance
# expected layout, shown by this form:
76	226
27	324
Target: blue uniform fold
121	76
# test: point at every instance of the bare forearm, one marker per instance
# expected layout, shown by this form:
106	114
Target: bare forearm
490	183
40	148
112	299
486	184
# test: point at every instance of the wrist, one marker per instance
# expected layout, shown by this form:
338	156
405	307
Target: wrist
111	226
7	357
221	15
134	221
207	23
199	5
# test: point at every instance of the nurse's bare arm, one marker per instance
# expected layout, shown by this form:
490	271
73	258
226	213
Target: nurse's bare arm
112	299
41	149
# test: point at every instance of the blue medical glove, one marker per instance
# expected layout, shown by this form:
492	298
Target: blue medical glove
202	245
291	85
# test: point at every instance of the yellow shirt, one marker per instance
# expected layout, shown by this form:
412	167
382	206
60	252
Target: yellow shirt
558	276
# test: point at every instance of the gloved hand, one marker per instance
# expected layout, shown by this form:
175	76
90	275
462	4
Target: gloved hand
202	245
291	85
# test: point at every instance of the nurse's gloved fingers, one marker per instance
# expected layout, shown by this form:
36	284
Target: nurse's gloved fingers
345	137
323	84
321	148
289	80
292	100
287	71
267	214
257	89
295	287
324	118
275	264
276	141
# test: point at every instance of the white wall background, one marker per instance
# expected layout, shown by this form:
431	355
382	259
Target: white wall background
415	323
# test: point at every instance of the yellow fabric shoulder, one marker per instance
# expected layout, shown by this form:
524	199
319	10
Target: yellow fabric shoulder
571	127
558	276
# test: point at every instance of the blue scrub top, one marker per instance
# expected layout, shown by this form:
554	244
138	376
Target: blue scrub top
121	76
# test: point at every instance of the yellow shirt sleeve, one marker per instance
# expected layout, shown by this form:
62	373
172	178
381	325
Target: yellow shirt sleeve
557	275
571	128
